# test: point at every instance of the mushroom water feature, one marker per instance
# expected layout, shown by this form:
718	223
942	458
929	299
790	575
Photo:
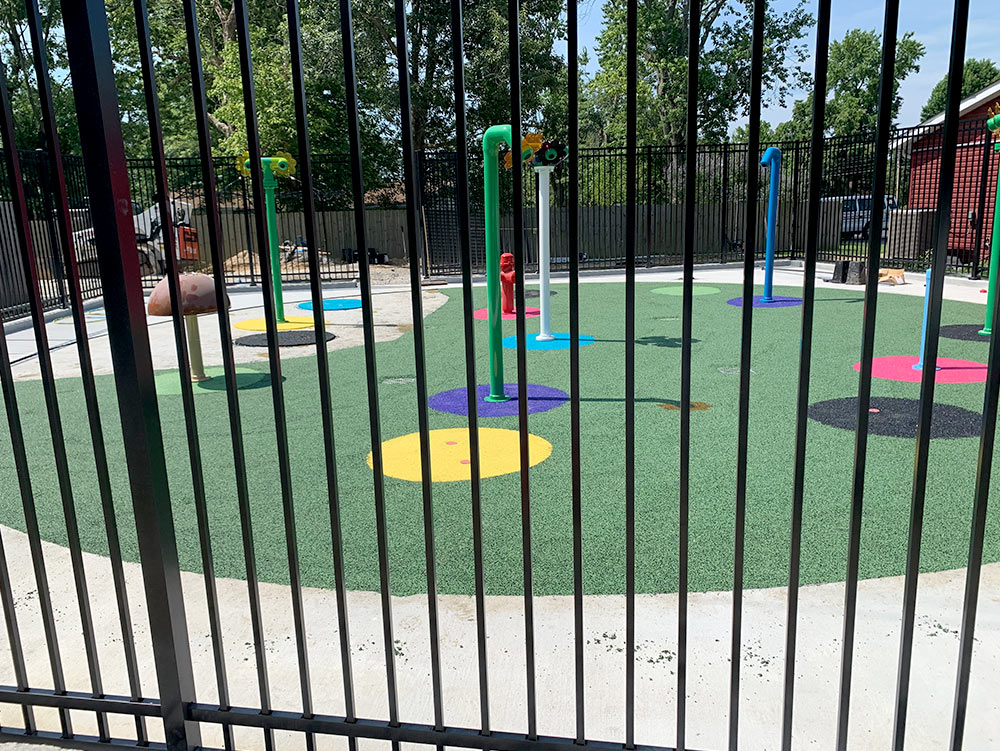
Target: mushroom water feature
197	293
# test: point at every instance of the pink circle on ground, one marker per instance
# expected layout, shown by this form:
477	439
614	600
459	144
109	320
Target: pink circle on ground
900	368
482	314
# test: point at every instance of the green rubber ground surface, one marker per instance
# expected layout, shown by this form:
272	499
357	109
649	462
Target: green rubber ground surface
713	451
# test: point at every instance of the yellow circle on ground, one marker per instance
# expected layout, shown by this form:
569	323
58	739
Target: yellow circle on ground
499	454
291	323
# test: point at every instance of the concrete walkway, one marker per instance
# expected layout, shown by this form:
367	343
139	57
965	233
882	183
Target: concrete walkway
762	664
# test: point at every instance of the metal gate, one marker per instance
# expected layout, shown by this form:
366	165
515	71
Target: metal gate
174	708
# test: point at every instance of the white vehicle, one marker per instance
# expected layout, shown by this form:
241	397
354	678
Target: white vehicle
148	237
857	212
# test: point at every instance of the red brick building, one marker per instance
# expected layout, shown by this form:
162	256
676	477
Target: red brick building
975	174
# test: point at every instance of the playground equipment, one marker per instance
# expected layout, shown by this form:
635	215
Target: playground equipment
197	292
919	365
495	137
272	167
772	160
507	282
545	160
994	126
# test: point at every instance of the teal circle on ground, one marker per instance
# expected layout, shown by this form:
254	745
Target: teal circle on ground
676	290
168	382
558	341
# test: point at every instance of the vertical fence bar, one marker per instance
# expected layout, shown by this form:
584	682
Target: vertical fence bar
162	191
981	208
208	169
517	246
419	357
10	622
977	533
805	360
31	530
945	193
471	382
724	209
879	174
375	429
687	308
89	53
271	313
322	355
22	229
743	429
54	159
631	88
576	463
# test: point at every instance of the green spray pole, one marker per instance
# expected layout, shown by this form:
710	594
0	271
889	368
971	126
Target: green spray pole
270	183
994	125
492	139
272	167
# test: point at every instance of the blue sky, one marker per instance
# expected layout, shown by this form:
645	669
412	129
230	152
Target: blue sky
930	20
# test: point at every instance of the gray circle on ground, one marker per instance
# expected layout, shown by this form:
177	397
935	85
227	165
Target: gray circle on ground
296	338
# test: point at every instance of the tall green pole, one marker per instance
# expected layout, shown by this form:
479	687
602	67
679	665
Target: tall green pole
492	139
270	183
993	124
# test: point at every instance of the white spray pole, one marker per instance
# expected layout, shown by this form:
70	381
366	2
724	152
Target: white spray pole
544	330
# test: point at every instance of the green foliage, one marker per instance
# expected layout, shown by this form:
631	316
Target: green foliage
724	68
978	74
853	86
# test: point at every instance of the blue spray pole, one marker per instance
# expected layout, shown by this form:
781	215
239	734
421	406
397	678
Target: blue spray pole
771	159
923	330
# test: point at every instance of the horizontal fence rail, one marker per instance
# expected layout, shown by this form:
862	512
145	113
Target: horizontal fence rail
75	227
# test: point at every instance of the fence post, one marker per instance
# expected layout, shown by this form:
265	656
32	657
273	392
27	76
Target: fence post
725	199
981	213
43	164
796	201
89	51
248	231
649	206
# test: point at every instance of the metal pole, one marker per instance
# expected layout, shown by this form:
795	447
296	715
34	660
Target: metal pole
492	139
994	261
923	328
544	329
89	51
272	239
771	159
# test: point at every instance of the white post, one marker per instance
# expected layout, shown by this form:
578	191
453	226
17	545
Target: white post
544	330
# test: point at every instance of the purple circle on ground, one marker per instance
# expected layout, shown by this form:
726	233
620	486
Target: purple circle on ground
776	302
540	399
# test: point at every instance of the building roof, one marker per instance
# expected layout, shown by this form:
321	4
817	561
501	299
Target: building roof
981	97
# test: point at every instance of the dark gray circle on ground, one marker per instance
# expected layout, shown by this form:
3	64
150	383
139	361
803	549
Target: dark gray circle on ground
897	417
968	332
296	338
533	293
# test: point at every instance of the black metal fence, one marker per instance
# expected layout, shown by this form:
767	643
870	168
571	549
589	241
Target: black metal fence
720	230
178	709
913	170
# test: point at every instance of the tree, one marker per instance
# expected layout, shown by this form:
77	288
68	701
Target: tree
724	67
978	74
853	86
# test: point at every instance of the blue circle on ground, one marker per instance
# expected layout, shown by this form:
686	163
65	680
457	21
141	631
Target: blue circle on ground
776	302
560	341
335	303
540	399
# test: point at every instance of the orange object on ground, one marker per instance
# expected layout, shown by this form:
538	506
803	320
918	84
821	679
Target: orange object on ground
187	243
507	282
